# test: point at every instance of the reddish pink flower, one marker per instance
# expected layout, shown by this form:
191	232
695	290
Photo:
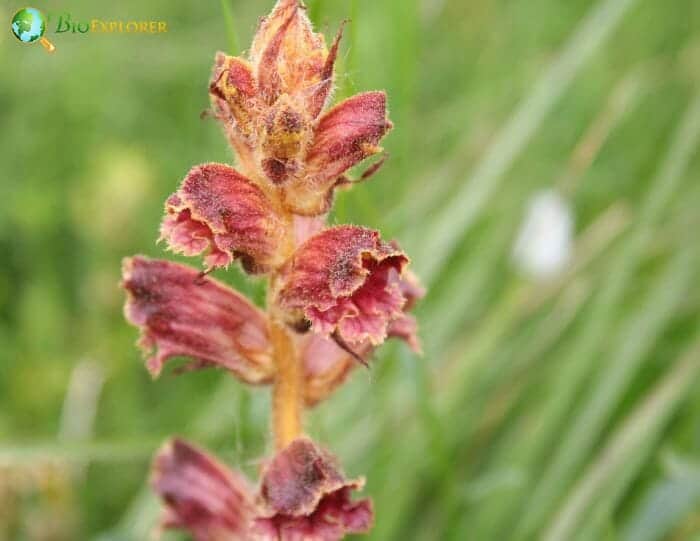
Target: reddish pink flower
269	102
303	496
327	365
220	209
201	495
180	314
345	281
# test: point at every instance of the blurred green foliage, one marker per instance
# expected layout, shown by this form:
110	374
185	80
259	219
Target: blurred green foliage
559	409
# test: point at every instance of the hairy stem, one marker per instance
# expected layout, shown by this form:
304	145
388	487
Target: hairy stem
287	398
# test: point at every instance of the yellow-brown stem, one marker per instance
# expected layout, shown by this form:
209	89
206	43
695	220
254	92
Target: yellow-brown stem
288	387
287	397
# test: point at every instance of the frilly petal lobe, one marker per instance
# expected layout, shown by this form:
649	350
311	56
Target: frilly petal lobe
304	495
343	280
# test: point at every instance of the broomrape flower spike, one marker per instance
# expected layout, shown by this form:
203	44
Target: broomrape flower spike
335	294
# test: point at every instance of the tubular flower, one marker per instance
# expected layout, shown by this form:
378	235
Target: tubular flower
218	208
271	105
335	294
180	314
344	281
327	364
202	495
303	495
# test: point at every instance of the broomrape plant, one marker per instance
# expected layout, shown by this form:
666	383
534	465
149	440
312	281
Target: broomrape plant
334	293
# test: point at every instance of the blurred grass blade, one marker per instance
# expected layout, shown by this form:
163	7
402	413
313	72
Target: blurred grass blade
230	25
442	236
605	309
628	445
88	451
484	349
517	306
624	97
637	338
581	358
315	8
662	508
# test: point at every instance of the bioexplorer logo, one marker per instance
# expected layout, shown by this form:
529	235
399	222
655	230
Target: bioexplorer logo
29	26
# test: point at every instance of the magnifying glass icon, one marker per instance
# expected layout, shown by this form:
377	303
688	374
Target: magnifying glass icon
29	25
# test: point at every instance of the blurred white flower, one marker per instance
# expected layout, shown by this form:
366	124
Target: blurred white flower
544	244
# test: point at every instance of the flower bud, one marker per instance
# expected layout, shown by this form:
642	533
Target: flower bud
272	104
345	136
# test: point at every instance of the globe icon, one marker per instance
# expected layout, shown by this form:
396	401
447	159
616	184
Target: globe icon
28	25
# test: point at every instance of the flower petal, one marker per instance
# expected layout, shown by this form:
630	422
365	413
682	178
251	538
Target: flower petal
410	286
180	314
342	281
345	135
305	496
326	366
201	495
406	328
307	227
219	208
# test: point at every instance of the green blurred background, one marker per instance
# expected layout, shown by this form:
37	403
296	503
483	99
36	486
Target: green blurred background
546	407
